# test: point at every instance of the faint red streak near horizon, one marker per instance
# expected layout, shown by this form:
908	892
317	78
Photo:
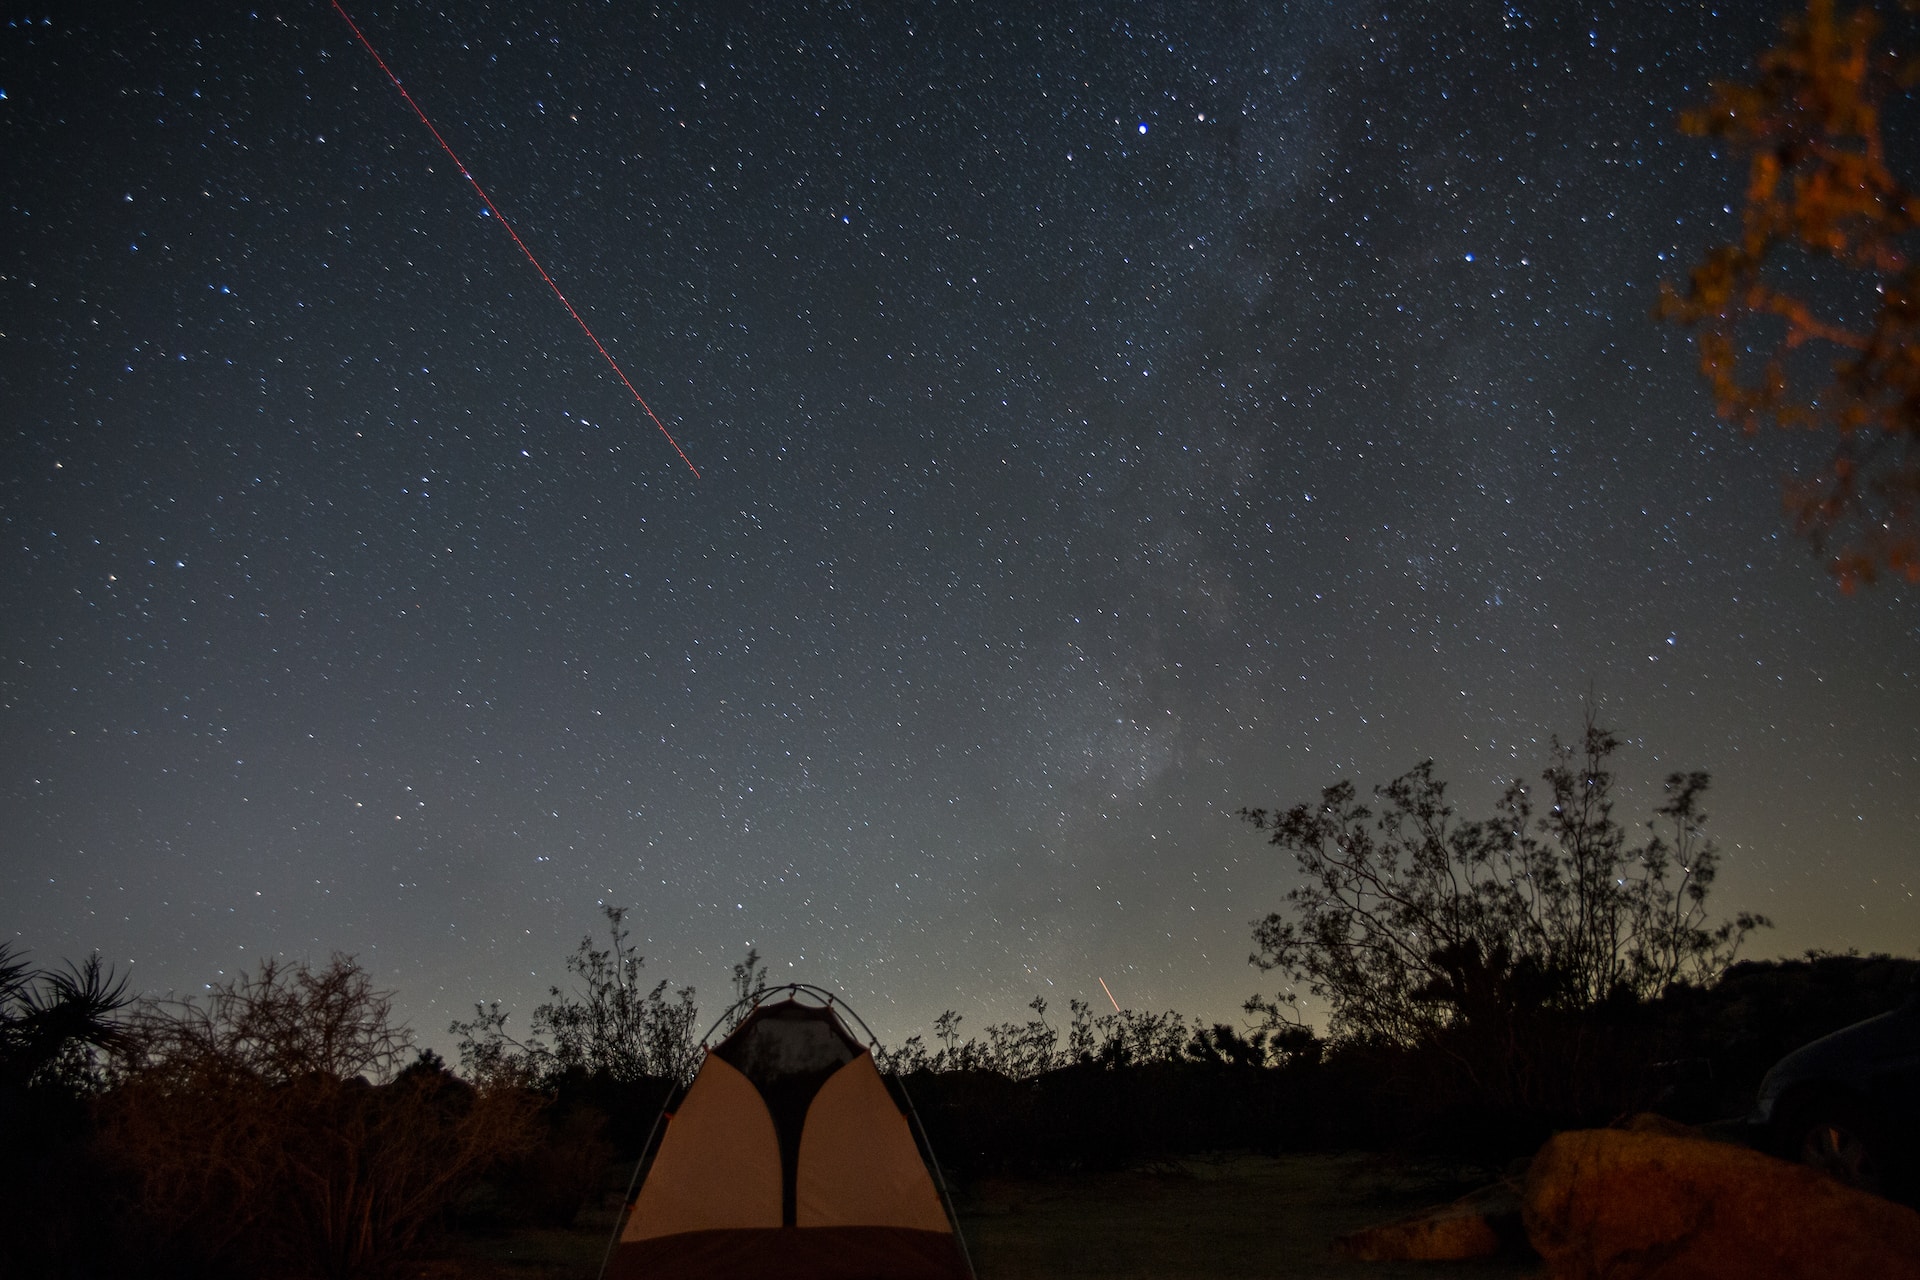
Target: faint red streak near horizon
1109	991
502	219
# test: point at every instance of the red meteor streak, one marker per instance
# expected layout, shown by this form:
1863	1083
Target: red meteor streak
611	363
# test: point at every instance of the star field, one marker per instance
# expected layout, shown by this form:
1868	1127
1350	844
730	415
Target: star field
1109	415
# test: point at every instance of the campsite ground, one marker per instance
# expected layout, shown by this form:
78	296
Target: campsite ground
1218	1217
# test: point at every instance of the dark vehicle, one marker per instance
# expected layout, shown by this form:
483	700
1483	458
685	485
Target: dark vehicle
1849	1103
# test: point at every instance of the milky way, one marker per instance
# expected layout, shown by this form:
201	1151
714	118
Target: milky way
1109	416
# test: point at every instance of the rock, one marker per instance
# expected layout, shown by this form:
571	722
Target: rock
1654	1122
1478	1226
1655	1206
1439	1235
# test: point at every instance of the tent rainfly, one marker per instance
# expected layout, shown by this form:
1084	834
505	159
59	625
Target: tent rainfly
789	1158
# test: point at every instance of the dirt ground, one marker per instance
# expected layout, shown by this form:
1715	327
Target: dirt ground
1218	1217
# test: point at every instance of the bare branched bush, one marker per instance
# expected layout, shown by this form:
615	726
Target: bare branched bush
268	1126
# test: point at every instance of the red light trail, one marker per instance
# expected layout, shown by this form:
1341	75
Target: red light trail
604	353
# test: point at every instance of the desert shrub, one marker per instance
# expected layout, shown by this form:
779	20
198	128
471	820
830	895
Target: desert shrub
1091	1115
1512	953
1028	1050
631	1107
549	1183
614	1026
268	1126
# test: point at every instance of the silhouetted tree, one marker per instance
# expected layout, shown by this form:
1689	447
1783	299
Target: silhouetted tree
1811	319
55	1025
58	1030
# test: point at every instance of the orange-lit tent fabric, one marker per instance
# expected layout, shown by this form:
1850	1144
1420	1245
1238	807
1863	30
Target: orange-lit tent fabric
788	1158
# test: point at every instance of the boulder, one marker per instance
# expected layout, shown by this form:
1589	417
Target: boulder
1654	1122
1479	1225
1438	1235
1648	1205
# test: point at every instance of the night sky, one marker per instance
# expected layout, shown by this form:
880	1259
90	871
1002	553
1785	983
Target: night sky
1109	415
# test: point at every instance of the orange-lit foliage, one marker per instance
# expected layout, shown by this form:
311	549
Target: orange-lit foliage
269	1131
1811	319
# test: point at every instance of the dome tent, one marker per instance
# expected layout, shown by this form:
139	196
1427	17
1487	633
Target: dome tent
788	1156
